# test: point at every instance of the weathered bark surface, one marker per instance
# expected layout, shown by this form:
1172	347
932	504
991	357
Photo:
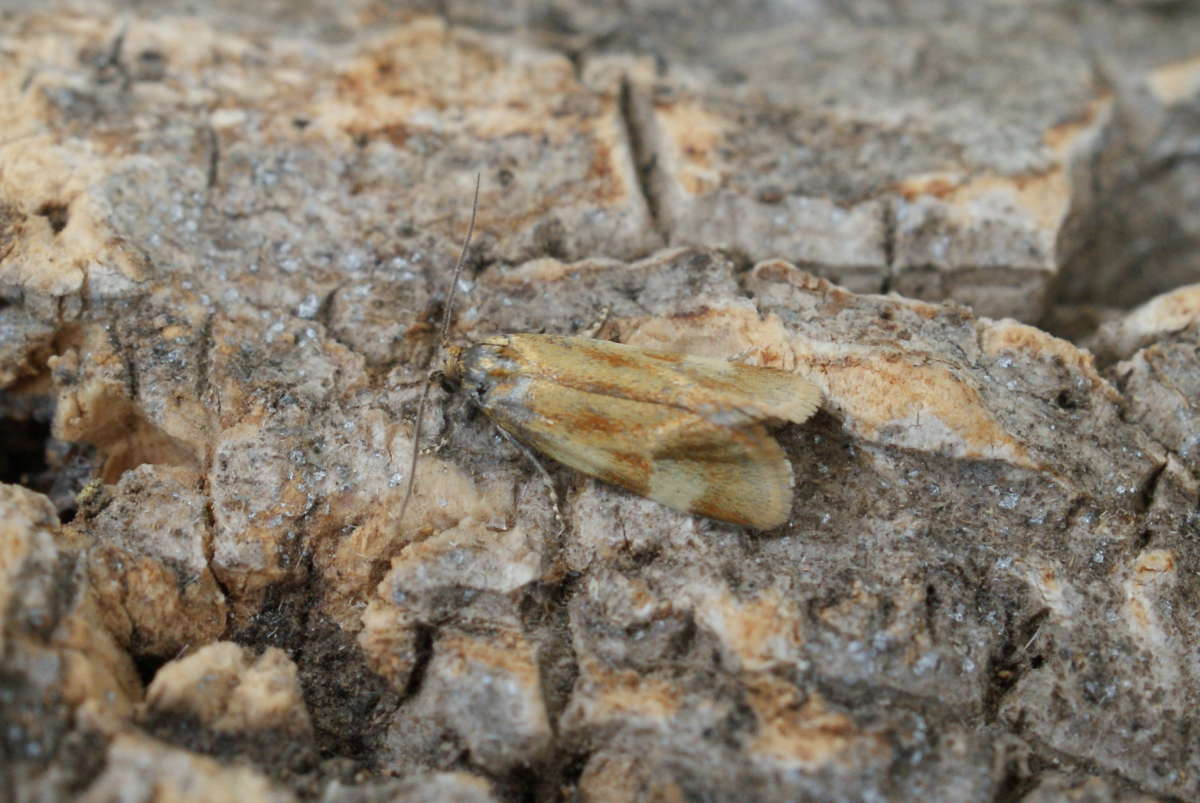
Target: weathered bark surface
225	240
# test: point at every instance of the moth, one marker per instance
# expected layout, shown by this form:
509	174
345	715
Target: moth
687	431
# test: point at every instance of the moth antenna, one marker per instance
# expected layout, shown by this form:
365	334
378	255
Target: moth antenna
442	337
462	256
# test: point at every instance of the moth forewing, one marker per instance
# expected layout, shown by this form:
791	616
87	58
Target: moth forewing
727	392
736	474
685	431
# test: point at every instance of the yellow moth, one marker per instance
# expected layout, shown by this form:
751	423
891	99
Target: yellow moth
685	431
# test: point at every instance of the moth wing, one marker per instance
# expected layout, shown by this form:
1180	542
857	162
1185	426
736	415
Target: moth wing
723	392
671	455
765	392
742	473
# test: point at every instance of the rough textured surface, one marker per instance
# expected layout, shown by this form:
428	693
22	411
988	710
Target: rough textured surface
148	561
141	769
225	234
227	689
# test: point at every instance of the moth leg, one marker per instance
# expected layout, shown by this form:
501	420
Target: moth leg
546	478
594	330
